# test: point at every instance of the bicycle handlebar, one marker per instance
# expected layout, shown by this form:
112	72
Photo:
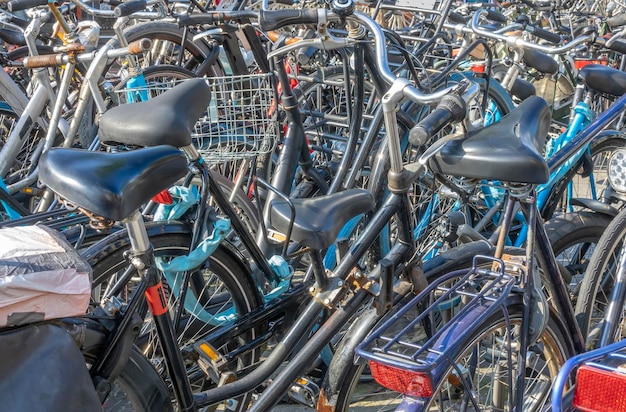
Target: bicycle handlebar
521	43
129	7
215	17
59	59
451	109
275	19
544	34
17	5
138	13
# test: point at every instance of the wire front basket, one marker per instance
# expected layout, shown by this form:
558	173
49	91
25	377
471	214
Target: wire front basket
240	122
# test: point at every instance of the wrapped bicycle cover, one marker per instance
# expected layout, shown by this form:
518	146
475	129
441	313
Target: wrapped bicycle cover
42	369
41	276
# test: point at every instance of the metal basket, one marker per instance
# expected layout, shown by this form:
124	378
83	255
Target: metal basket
240	122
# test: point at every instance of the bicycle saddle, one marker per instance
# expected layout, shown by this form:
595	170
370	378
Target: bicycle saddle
166	119
604	79
540	61
112	185
318	220
509	150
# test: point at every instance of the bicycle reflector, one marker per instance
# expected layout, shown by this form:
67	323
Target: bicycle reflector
402	380
599	390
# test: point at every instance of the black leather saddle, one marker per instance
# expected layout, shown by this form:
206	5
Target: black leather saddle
112	185
509	150
604	79
318	220
166	119
540	61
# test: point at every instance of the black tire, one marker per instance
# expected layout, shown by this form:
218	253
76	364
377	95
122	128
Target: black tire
167	39
574	237
599	282
554	341
223	283
158	79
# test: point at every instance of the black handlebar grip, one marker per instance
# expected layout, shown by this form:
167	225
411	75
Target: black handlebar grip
617	21
17	5
456	18
451	108
129	7
619	46
275	19
200	19
545	34
495	16
538	5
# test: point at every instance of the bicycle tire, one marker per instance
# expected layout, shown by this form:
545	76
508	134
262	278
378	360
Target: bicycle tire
574	237
228	284
599	281
167	38
555	341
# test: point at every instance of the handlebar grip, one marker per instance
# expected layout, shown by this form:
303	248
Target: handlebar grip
139	46
619	46
616	21
129	7
495	16
275	19
216	17
200	19
538	5
457	18
451	109
545	34
17	5
44	60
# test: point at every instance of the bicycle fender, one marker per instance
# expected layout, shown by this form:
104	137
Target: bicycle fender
595	206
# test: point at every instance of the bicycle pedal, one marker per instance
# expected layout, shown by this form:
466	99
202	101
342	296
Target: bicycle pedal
211	362
305	392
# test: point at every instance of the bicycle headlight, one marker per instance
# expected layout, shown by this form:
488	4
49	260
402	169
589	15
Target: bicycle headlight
617	170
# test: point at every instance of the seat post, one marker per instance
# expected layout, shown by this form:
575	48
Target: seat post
137	233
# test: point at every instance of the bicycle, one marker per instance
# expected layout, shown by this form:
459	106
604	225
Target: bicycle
480	302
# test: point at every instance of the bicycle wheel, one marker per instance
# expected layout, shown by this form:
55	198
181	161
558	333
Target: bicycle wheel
222	289
574	237
484	364
158	79
168	46
598	284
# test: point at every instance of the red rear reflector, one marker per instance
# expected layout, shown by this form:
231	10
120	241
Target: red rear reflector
478	67
163	198
580	63
400	380
599	390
